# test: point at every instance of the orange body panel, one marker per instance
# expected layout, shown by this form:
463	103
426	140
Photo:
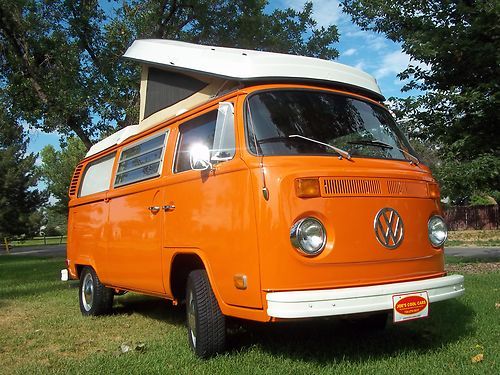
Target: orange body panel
224	218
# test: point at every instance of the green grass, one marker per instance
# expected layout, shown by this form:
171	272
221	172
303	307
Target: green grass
42	331
37	241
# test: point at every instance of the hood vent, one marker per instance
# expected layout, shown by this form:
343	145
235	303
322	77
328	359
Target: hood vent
355	187
349	186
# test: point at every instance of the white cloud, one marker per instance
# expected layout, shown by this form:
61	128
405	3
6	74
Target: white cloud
392	64
360	65
325	12
350	52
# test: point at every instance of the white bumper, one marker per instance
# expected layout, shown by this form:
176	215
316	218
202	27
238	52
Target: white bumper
316	303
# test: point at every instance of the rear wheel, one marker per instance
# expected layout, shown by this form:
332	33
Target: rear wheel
205	322
95	298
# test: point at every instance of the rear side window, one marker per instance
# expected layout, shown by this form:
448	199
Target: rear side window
97	176
200	130
141	161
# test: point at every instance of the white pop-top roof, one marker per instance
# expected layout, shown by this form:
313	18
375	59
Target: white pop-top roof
235	64
241	64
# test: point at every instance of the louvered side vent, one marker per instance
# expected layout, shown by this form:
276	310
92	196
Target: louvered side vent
331	187
74	181
407	188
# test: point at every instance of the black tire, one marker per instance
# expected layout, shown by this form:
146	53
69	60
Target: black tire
95	298
205	322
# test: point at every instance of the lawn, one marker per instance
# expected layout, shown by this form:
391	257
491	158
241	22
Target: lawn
42	331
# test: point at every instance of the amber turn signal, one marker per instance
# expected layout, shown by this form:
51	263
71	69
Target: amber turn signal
240	281
307	187
433	190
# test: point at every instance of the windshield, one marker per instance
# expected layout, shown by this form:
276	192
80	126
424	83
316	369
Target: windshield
306	122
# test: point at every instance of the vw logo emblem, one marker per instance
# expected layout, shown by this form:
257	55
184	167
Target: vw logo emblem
389	228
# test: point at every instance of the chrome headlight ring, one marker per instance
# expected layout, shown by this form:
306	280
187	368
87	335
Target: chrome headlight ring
308	236
437	231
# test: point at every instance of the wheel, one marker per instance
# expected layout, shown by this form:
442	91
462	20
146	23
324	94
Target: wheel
205	322
95	298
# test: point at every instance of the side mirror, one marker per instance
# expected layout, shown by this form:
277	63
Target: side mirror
199	157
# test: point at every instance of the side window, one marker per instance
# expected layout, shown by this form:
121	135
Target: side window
141	160
200	130
97	176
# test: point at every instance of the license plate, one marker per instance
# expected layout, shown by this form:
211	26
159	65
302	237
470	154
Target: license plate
410	306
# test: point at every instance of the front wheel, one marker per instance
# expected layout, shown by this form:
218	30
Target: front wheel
205	322
95	298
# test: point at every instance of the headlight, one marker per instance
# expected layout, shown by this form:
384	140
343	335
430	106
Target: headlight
438	233
308	236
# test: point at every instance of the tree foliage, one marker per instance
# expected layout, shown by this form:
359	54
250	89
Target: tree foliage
19	200
60	60
57	168
455	48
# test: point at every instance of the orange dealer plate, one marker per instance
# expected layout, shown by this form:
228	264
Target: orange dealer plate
410	306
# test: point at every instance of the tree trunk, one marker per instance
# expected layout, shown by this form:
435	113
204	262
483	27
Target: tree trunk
76	127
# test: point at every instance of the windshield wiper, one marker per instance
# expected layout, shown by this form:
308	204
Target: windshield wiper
339	151
376	142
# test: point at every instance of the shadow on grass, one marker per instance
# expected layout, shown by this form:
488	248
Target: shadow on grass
325	340
331	339
150	307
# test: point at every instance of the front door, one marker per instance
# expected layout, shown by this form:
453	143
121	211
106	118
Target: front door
212	211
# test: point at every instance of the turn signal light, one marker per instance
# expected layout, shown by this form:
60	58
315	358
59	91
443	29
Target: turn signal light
433	190
307	187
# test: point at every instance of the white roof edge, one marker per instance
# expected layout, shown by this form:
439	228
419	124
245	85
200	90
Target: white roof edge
241	64
113	139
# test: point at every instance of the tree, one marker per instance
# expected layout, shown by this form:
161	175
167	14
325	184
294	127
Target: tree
57	169
454	45
19	199
61	65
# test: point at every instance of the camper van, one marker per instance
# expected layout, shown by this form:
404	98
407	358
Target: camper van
260	186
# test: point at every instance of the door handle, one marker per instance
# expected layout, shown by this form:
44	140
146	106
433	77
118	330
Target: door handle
154	209
169	207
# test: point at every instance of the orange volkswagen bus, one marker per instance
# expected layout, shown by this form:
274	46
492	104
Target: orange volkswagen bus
260	186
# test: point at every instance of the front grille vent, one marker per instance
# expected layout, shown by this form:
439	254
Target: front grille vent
361	186
350	186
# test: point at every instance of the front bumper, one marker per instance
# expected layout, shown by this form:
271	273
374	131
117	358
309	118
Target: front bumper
317	303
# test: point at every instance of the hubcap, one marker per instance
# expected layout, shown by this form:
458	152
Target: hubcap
87	292
191	317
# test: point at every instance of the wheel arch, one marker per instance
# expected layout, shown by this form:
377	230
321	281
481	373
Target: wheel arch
182	264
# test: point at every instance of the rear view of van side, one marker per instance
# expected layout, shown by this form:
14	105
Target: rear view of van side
260	186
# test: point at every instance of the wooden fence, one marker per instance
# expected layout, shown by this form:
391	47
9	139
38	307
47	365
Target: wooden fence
475	217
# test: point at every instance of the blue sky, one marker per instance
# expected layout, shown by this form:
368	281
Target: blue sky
368	51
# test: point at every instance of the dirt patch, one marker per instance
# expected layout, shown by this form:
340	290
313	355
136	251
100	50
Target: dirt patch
474	237
473	267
